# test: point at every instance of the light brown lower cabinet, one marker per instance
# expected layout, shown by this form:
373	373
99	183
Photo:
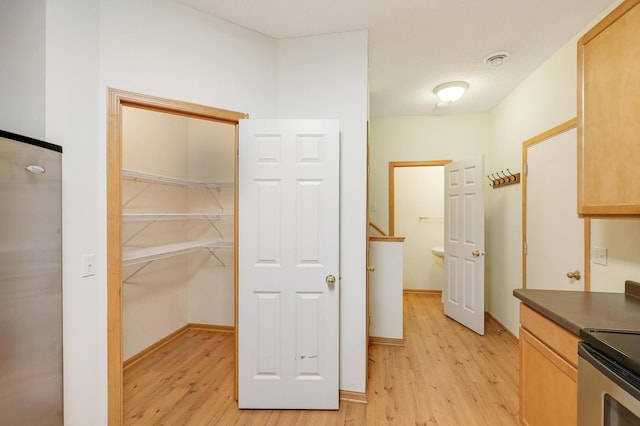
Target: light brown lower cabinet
548	372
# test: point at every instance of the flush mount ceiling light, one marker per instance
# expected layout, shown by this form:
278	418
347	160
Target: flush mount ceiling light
452	91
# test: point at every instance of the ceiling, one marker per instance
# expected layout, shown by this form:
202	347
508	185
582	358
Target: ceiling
414	45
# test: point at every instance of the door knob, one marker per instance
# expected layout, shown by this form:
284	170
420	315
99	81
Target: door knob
331	281
575	274
371	268
476	253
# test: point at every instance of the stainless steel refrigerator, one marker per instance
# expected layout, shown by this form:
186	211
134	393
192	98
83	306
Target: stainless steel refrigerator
30	281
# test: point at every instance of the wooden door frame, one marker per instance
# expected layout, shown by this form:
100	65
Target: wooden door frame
555	131
392	169
117	99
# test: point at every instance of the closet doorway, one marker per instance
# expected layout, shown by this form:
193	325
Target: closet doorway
171	226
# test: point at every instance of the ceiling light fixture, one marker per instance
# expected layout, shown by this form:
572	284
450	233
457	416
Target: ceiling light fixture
452	91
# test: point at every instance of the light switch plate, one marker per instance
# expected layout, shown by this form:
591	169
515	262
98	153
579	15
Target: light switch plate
600	256
88	265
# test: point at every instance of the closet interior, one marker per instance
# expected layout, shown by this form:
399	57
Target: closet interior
178	227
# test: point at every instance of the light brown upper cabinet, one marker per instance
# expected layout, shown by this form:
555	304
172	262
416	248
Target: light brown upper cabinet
609	115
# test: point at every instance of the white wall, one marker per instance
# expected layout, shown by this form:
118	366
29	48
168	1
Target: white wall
168	50
22	74
621	239
212	284
72	120
546	99
154	302
326	77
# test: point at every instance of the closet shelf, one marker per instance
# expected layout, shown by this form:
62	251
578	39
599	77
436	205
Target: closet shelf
149	254
148	177
143	217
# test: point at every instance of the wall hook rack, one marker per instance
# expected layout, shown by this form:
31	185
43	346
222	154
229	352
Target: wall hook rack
502	179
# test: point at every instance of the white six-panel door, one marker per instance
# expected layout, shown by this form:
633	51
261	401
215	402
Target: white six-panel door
288	264
464	243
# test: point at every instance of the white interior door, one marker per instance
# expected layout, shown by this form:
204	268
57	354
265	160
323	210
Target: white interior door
288	264
554	232
464	243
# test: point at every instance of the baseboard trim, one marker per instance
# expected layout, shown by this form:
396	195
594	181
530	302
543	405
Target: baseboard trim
356	397
385	341
423	292
210	327
154	347
168	339
501	328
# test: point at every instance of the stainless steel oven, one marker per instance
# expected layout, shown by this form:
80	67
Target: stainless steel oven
609	378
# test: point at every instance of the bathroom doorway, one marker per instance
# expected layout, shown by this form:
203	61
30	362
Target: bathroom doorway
416	212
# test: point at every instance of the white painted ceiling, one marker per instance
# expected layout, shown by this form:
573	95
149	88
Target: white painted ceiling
414	45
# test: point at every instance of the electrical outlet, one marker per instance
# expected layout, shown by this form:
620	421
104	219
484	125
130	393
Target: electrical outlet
600	256
88	265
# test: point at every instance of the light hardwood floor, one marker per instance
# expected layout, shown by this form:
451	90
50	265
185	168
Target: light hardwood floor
445	375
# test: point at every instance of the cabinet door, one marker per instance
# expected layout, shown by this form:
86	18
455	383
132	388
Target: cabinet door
548	389
608	108
385	289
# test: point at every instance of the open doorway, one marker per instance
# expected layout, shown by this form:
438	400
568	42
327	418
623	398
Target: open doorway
416	212
164	200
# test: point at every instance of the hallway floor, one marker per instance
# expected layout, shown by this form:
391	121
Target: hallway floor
445	375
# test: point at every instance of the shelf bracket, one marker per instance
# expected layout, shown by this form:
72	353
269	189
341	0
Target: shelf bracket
139	232
139	193
213	225
216	198
213	253
136	271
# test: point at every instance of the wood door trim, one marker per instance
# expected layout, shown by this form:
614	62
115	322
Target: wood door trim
116	100
392	168
386	239
554	131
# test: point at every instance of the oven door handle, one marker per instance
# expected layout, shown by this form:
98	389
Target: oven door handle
624	378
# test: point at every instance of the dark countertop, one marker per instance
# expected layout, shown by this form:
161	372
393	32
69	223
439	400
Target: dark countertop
575	310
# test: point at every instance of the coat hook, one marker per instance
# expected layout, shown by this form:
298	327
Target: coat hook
501	178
